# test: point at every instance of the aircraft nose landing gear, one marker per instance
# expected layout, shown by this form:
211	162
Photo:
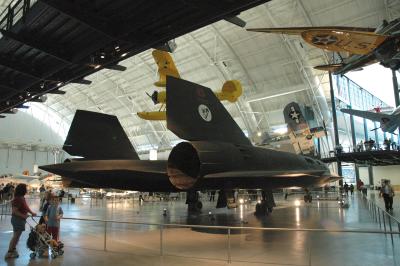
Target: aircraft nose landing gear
266	205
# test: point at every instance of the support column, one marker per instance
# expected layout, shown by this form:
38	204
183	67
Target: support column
395	88
353	132
396	98
357	171
370	175
365	129
376	137
335	126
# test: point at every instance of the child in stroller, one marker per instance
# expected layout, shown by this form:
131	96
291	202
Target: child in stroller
39	241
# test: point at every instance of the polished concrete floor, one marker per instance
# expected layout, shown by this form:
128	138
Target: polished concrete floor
139	244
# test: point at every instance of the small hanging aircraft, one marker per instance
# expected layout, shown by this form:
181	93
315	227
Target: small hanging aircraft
231	90
388	122
364	45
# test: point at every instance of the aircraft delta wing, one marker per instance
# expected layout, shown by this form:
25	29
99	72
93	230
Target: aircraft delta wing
364	45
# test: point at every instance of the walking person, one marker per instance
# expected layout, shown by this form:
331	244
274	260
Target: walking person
346	188
387	193
351	189
20	210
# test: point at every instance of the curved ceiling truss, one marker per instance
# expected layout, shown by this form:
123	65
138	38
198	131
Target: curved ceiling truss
266	65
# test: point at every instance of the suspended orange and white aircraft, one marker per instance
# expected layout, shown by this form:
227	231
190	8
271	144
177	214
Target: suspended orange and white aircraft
364	45
231	90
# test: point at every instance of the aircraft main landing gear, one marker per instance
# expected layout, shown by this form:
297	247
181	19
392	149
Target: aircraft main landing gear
193	202
307	196
266	205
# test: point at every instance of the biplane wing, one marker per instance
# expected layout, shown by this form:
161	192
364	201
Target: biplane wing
359	41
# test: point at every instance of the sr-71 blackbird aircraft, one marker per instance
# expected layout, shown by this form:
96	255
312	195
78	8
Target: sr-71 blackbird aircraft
389	122
365	45
216	154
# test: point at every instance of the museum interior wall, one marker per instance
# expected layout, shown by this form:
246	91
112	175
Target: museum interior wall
390	172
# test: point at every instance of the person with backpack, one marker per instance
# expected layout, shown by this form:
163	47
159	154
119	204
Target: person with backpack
19	214
53	215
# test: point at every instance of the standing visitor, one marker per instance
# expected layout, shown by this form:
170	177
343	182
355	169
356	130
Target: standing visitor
19	214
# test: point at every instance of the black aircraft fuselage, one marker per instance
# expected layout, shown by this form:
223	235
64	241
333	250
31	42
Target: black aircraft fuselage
197	165
217	155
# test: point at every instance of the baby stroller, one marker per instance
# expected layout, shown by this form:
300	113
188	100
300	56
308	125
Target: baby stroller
39	242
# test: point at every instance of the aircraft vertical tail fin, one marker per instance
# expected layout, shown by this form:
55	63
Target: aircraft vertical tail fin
194	113
98	136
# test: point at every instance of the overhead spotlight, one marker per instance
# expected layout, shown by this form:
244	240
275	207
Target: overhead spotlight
124	54
59	84
28	93
259	133
241	201
102	56
117	48
96	66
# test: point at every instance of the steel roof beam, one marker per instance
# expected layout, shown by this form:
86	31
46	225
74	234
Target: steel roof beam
36	45
86	19
19	68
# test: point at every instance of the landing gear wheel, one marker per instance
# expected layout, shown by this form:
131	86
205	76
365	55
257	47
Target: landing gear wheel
198	205
261	209
195	207
308	198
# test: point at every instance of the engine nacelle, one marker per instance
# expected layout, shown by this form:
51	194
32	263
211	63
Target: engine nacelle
188	162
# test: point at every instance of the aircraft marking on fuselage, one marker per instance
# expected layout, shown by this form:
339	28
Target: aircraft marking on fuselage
294	115
205	113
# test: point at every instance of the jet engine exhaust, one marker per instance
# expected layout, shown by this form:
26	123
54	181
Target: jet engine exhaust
183	166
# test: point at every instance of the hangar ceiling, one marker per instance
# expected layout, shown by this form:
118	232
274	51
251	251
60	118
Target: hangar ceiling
274	70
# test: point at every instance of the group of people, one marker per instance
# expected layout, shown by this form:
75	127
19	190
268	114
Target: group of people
6	191
348	188
371	145
51	215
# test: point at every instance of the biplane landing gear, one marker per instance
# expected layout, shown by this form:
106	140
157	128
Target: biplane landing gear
193	202
266	205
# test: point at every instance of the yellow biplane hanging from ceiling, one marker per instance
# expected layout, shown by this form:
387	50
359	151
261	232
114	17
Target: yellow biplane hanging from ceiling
364	45
231	90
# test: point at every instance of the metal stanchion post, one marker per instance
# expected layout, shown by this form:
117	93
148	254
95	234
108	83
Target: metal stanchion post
384	222
379	218
390	227
229	245
161	241
398	226
105	235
